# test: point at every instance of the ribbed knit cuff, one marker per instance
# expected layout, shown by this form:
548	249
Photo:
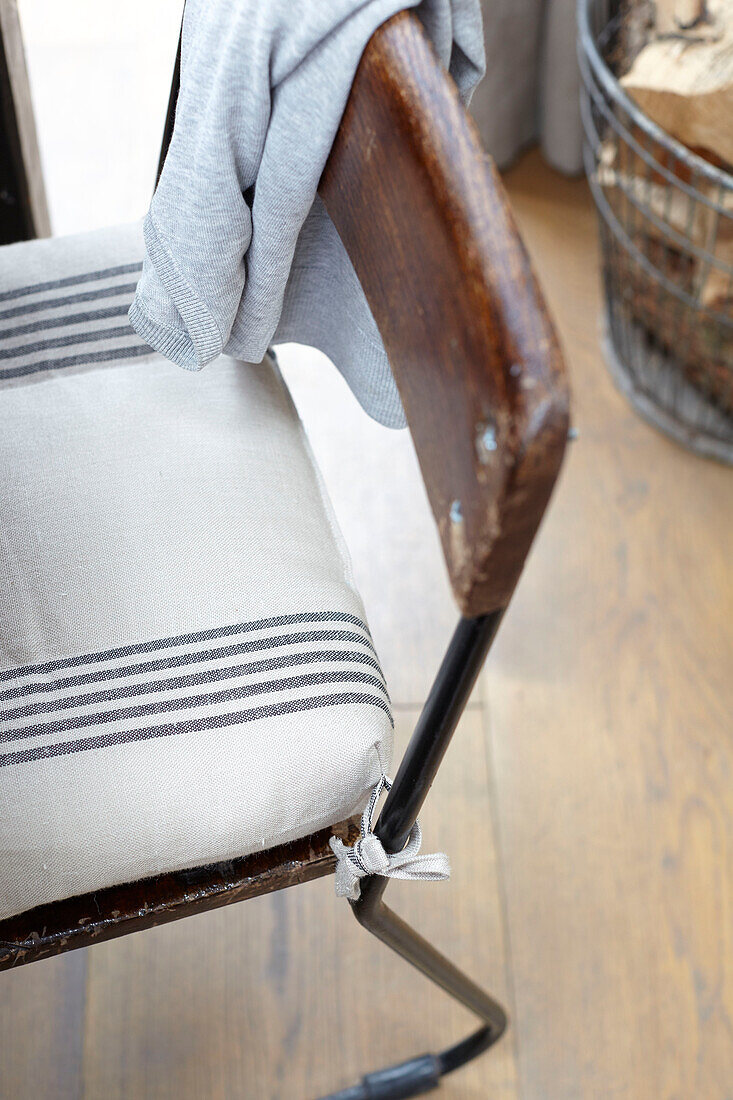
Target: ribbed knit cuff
200	340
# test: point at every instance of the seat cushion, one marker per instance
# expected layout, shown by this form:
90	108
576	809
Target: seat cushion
186	673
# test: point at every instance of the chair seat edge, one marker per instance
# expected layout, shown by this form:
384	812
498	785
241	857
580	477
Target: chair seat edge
118	910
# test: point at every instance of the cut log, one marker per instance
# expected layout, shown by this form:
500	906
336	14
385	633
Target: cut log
707	226
681	16
673	232
685	84
636	27
716	292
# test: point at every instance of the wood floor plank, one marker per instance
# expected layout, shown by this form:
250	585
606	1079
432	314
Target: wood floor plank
609	699
42	1030
287	997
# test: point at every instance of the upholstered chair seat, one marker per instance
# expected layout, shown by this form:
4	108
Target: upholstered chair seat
186	671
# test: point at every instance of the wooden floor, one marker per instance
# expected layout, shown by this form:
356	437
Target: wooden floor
586	803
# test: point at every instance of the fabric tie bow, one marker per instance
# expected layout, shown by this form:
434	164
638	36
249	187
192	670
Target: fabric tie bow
368	856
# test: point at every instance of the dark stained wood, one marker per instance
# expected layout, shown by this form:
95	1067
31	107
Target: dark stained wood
23	208
91	918
424	218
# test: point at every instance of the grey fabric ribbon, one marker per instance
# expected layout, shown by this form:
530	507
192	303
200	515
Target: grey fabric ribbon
368	857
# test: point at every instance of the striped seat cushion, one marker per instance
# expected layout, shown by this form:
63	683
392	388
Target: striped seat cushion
186	673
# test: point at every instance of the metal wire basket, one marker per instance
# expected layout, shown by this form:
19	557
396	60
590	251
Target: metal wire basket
666	225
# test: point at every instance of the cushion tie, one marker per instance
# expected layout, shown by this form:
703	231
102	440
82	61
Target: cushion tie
368	856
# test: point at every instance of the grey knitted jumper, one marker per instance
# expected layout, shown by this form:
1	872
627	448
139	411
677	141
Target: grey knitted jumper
240	251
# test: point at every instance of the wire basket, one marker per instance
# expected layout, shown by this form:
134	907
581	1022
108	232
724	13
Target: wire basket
666	225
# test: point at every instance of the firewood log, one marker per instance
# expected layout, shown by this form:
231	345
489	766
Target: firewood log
685	83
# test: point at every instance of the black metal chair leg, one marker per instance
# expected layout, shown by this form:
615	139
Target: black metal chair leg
422	1074
455	679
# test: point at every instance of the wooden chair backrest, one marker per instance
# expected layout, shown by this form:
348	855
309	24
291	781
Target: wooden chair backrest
427	225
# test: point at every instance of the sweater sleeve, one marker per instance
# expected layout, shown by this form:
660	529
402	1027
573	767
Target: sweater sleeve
263	88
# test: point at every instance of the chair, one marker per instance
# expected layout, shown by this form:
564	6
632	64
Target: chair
421	212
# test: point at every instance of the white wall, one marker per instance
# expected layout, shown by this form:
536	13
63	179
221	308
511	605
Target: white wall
100	75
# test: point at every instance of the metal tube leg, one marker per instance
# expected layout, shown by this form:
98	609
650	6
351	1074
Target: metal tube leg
457	674
422	1074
